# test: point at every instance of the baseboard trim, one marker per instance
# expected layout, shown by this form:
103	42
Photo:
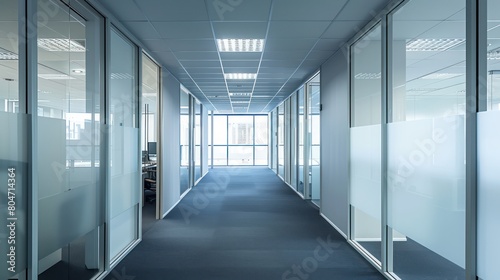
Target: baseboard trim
333	225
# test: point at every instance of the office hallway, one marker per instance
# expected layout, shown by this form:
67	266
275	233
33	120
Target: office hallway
238	224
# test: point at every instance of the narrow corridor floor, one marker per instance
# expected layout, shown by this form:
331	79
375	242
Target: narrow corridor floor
239	224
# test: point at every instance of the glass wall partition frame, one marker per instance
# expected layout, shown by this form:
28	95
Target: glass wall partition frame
149	103
124	136
15	139
185	136
426	140
313	128
274	140
240	132
69	140
365	144
488	137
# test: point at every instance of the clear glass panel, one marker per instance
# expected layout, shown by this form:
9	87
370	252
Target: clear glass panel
220	130
281	140
124	138
240	130
365	164
68	140
488	244
149	110
426	168
293	140
197	140
261	130
210	139
261	155
301	136
314	132
184	141
13	150
240	155
220	155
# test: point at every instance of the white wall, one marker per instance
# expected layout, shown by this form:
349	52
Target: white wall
170	127
335	140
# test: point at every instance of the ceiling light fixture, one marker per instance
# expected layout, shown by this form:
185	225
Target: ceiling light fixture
239	102
78	71
240	94
493	55
55	77
240	45
240	76
440	76
60	45
432	45
368	76
6	55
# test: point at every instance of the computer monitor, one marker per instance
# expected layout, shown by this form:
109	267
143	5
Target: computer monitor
152	148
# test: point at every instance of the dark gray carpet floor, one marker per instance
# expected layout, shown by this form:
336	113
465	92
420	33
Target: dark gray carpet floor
238	224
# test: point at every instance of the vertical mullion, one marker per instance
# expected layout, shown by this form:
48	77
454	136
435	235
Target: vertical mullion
28	61
387	252
476	18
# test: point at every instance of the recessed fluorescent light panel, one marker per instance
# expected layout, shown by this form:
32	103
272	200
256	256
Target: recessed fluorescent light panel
55	77
494	55
6	55
368	76
240	102
432	45
440	76
240	45
240	94
240	76
60	45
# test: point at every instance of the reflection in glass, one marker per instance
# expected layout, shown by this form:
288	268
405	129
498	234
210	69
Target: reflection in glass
301	136
426	169
314	132
281	140
197	140
240	155
184	141
365	137
69	125
489	155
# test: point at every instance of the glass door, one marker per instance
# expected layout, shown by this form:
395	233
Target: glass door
69	139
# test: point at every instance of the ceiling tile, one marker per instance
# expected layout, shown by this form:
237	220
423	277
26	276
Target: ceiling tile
342	29
196	56
185	10
191	45
279	44
184	29
237	30
306	10
125	10
144	29
297	29
361	9
224	10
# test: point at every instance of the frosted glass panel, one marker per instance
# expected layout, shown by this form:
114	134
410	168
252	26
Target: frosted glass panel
426	188
125	188
13	166
366	169
124	231
488	220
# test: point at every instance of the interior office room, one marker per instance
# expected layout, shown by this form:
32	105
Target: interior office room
234	139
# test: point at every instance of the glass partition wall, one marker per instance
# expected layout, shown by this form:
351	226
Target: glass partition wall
407	141
69	125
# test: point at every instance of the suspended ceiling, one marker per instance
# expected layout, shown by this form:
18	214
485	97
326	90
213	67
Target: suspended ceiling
299	36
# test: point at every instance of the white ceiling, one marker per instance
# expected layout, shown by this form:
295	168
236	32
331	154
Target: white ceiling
299	36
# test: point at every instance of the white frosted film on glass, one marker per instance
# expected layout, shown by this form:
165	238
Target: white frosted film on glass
125	188
124	231
488	220
13	165
124	175
68	195
426	184
366	169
